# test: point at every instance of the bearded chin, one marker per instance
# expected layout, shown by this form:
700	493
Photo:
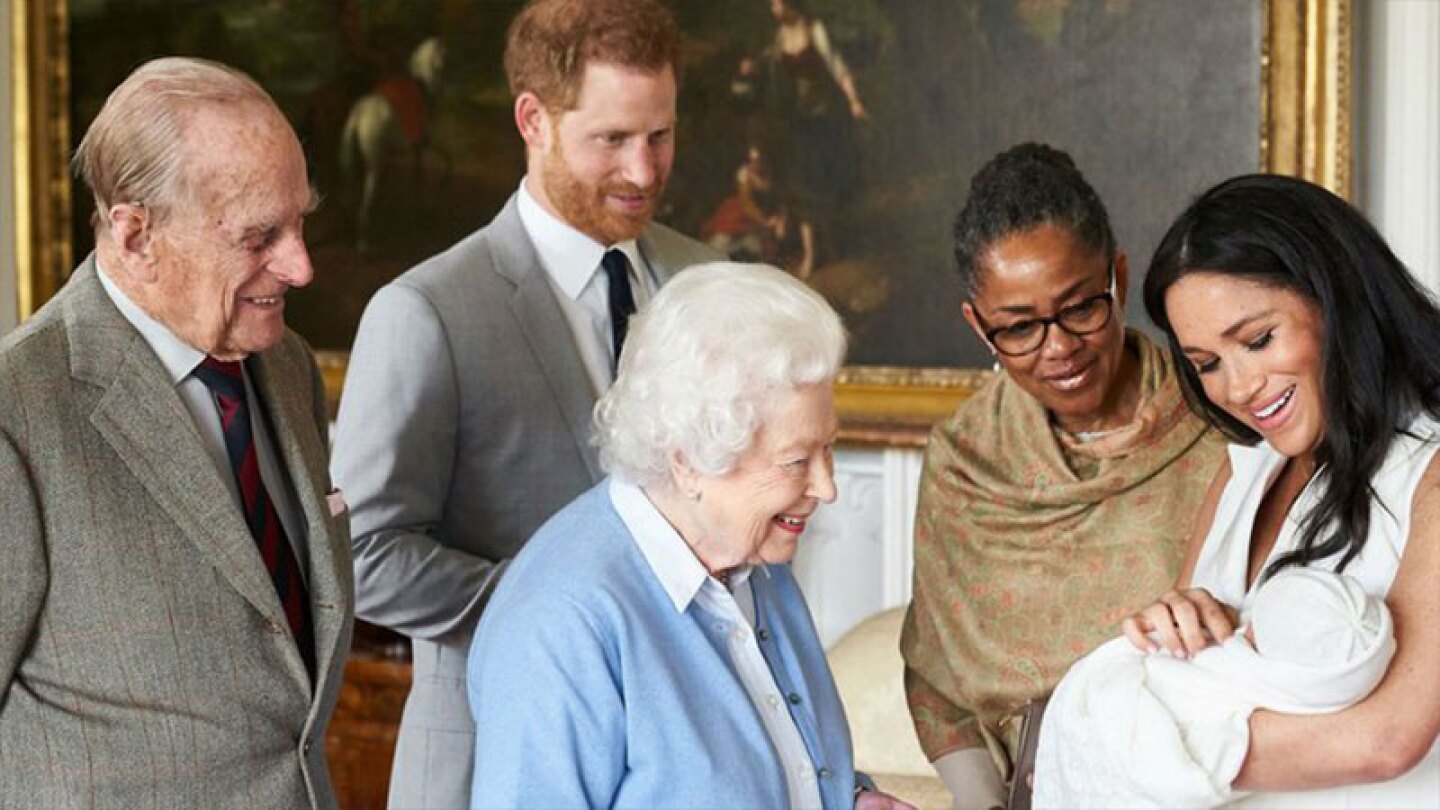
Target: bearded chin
618	228
583	206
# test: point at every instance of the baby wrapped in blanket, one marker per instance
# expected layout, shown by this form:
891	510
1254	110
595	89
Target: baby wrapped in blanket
1130	729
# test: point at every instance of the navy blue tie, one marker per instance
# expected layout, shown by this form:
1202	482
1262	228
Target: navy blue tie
622	302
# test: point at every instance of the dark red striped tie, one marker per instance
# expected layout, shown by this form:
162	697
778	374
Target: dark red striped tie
226	381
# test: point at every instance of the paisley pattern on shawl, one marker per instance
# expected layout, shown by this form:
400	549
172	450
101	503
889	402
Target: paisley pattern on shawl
1031	546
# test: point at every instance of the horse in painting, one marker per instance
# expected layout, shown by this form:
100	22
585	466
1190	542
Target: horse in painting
394	117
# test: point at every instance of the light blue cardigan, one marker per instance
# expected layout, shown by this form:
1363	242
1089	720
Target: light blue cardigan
589	689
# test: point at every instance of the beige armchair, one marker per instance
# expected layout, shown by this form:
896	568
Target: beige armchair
870	675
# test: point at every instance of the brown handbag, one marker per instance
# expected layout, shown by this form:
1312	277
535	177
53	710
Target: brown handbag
1024	771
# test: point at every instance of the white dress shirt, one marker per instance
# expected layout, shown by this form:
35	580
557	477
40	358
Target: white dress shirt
180	359
732	610
572	262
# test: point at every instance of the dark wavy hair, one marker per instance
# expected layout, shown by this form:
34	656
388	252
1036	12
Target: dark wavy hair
1020	189
1381	344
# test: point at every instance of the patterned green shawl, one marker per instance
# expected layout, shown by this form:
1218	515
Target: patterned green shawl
1030	547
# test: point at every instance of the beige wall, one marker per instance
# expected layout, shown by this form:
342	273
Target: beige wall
1398	109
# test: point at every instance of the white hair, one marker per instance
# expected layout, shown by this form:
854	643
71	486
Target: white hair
134	148
702	363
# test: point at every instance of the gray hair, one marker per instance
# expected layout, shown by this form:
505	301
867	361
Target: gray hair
702	363
133	150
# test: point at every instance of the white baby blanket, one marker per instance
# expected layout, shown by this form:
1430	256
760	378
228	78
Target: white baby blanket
1126	729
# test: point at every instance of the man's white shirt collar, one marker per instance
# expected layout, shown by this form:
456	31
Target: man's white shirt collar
569	256
178	357
680	572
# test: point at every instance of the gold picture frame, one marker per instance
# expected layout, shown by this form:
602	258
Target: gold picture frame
1305	130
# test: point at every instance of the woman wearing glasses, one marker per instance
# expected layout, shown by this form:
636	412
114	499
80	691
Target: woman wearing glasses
1056	500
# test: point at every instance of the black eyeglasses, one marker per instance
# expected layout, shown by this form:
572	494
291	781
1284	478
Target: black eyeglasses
1081	318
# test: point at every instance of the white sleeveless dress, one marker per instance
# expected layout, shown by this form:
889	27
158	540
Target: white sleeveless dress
1224	560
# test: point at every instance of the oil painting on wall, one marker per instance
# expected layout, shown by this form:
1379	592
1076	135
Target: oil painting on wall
837	138
834	138
400	105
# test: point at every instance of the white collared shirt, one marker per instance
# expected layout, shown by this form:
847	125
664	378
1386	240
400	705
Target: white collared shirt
572	263
685	579
180	359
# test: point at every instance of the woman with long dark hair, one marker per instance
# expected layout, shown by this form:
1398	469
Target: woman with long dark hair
1301	336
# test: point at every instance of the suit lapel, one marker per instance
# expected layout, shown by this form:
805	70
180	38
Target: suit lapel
662	265
545	329
299	446
140	415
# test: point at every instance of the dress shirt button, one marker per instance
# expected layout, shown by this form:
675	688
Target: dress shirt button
738	636
774	701
721	627
824	773
807	774
794	698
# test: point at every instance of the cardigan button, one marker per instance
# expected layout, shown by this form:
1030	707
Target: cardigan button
794	698
763	634
823	773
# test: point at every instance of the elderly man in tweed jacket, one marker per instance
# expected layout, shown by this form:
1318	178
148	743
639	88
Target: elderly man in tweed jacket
175	576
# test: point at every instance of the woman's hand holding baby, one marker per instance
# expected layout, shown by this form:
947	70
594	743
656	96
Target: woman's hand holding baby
1183	622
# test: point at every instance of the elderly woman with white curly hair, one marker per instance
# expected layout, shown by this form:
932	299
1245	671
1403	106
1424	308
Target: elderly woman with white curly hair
649	647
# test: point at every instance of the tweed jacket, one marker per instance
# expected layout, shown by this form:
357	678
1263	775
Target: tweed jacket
145	661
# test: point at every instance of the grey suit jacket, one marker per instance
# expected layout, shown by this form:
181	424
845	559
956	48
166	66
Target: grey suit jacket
465	424
145	661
